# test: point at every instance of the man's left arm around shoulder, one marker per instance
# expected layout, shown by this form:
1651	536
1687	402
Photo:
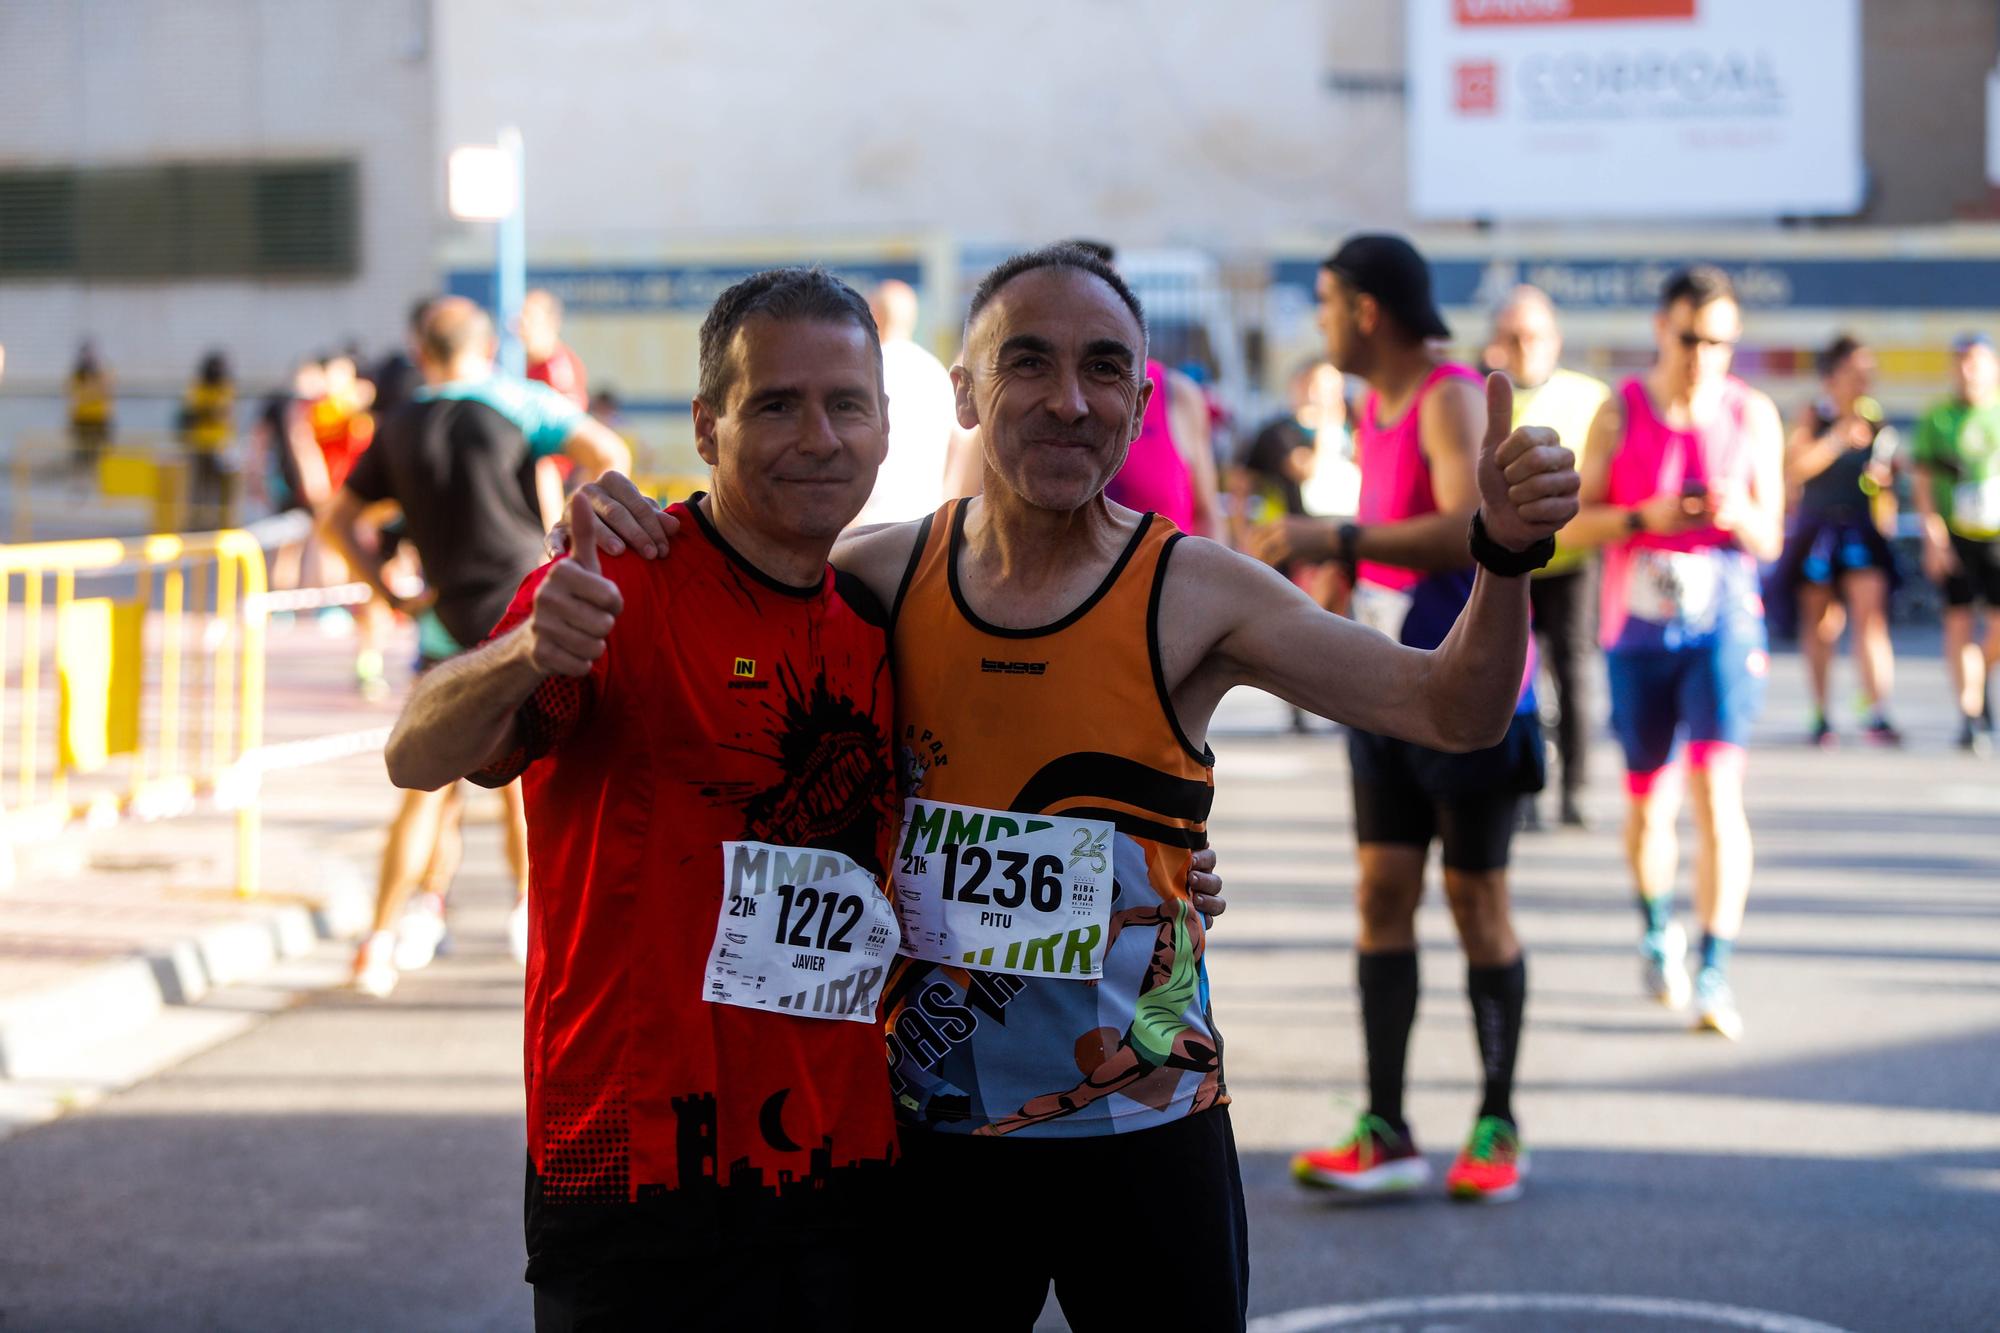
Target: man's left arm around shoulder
464	715
1458	696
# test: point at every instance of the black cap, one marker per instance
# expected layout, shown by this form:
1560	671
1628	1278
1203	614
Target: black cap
1389	269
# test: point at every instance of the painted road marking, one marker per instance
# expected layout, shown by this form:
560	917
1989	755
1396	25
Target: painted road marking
1318	1317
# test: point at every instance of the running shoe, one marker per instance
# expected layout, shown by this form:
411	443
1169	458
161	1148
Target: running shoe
1492	1165
375	965
1572	812
517	931
1715	1006
1881	731
1663	965
1373	1161
1974	739
421	933
1824	736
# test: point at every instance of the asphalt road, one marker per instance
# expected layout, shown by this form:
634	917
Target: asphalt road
353	1165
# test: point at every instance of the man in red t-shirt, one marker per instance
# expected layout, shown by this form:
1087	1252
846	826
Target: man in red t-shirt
711	793
549	358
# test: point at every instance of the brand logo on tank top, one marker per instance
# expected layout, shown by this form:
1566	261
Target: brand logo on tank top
998	668
743	675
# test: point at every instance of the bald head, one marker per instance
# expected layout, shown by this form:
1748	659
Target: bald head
541	323
456	341
1526	342
894	305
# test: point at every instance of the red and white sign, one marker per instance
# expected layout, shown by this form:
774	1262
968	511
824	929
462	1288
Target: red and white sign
1654	109
1476	87
1472	12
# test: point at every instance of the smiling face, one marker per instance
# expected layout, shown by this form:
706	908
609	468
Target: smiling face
801	431
1054	377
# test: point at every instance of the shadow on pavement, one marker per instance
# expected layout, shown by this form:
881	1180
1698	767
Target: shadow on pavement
1875	1242
294	1222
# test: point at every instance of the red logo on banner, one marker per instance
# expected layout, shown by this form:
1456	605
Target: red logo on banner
1477	86
1476	13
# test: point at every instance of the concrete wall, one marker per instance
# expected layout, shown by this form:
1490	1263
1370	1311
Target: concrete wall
139	81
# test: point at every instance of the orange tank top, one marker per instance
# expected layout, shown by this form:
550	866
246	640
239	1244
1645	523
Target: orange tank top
1070	719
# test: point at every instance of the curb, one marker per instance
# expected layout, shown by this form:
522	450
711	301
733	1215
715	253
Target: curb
41	1032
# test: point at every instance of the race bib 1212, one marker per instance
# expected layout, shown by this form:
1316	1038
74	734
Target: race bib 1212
803	931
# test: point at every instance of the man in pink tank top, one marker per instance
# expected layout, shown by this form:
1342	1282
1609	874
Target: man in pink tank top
1683	485
1417	438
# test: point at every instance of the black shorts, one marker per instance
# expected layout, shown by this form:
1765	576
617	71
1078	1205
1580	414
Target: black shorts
1822	548
1977	578
819	1280
1406	795
1145	1230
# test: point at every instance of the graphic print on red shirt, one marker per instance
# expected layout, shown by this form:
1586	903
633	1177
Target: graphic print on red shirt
726	707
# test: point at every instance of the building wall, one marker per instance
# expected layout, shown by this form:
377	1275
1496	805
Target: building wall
105	82
1145	124
1923	71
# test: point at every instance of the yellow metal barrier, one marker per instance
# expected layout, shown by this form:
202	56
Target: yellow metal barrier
140	467
157	699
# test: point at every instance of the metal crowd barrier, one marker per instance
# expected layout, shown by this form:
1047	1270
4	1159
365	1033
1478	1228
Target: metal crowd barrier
153	697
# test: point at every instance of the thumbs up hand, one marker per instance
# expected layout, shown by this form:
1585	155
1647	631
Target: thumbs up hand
1527	480
576	606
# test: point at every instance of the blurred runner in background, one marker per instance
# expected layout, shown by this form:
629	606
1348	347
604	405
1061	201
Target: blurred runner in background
1417	437
1683	483
90	406
1526	345
923	420
1837	564
452	460
1957	458
207	429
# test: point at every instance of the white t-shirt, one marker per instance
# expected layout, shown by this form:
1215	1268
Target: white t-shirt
922	416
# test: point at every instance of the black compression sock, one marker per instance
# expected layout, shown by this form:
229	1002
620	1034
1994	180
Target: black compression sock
1388	984
1498	996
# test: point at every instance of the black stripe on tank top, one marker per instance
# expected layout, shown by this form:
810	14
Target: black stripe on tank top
1205	756
965	609
910	569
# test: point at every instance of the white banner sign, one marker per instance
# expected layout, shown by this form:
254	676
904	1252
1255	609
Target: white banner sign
1655	109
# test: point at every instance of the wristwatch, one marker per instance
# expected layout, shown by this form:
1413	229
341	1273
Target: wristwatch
1635	522
1508	564
1345	544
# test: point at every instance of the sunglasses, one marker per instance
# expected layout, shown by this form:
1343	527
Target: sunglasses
1691	341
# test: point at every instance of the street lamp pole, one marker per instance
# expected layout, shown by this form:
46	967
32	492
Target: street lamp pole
511	275
484	185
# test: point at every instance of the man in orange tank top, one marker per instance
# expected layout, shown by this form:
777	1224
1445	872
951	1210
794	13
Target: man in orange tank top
1115	638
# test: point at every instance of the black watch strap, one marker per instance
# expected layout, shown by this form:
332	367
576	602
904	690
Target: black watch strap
1349	542
1499	560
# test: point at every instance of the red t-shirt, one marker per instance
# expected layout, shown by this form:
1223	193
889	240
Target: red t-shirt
564	373
727	706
